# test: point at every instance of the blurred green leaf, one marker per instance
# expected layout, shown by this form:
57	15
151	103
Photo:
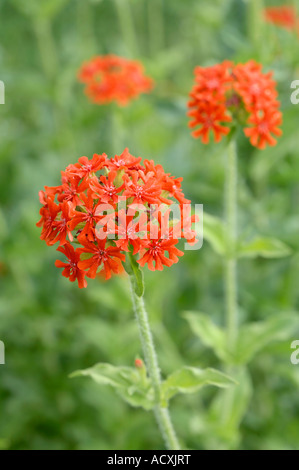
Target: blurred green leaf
210	334
191	379
134	388
265	247
230	406
214	233
133	269
252	337
256	336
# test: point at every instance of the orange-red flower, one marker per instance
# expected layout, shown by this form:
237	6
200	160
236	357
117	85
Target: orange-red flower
48	213
85	167
101	255
210	118
283	16
86	215
109	207
131	231
71	269
111	78
263	126
226	94
155	251
105	188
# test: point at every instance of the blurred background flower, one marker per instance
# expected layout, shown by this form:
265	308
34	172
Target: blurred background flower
112	78
240	94
284	16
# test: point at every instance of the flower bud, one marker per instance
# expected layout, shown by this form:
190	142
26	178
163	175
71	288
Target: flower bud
139	364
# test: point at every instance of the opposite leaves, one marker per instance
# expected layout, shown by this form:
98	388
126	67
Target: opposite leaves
135	388
214	231
252	337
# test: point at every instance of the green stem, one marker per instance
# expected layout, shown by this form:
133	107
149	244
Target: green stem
86	28
231	230
117	137
255	22
156	25
50	65
230	269
46	45
151	361
126	23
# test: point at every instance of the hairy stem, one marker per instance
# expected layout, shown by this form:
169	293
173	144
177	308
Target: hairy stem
151	361
231	230
230	268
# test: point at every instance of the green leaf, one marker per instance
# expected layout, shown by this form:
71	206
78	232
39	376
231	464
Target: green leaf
230	406
133	269
210	334
214	233
132	386
256	336
191	379
265	247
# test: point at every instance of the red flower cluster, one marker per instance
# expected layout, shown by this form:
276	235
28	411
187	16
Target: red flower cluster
111	78
284	16
227	93
108	207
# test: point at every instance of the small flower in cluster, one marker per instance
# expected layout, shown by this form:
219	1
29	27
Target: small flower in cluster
105	208
283	16
111	78
227	94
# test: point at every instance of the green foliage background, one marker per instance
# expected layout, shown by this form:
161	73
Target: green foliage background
49	327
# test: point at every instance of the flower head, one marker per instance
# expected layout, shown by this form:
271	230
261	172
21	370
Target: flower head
105	208
283	16
111	78
226	94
